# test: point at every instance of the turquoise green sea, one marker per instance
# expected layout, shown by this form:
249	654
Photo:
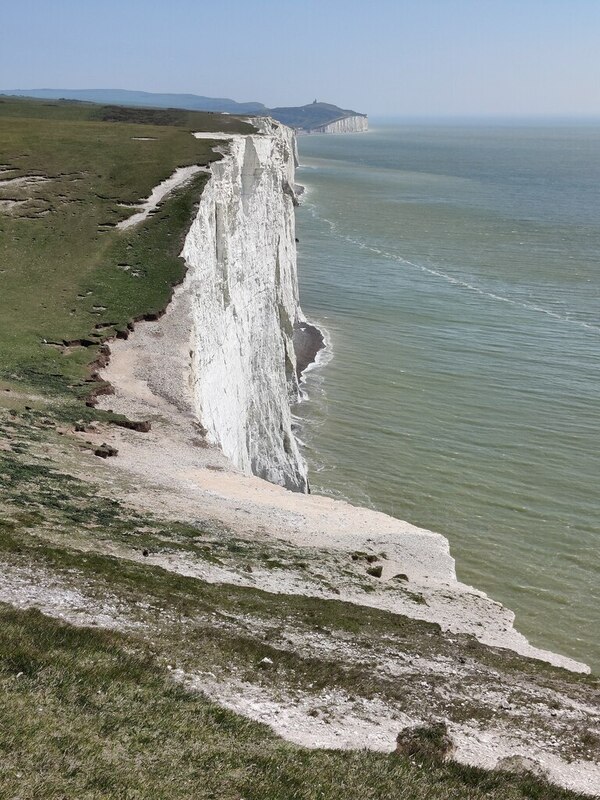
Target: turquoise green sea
456	269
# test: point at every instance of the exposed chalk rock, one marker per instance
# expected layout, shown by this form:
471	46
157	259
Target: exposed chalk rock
243	294
354	124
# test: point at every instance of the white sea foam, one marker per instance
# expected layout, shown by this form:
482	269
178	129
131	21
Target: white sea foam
313	209
469	261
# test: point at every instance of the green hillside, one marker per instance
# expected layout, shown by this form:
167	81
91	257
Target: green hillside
305	117
194	102
311	116
67	172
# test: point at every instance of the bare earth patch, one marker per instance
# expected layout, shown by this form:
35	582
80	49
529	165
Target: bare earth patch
179	178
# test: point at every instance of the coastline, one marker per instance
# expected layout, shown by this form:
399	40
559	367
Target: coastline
309	341
160	562
147	380
193	477
176	472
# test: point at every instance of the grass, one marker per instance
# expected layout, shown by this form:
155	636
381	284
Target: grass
59	526
89	714
66	273
143	736
310	116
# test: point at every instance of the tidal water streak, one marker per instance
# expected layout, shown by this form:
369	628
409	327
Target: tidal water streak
457	271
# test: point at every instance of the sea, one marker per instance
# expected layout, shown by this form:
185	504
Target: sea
455	267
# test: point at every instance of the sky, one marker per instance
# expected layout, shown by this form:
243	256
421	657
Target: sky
382	57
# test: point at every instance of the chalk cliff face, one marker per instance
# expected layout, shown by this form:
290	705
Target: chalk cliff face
243	293
353	124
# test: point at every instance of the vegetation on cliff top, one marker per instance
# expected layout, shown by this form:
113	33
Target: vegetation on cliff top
102	712
68	173
307	117
312	115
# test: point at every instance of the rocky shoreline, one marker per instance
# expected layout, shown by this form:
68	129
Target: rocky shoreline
308	343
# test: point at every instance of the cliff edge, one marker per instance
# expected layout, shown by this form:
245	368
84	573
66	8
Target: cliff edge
229	360
314	117
242	292
321	118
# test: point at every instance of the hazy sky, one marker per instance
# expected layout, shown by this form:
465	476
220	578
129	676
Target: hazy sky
378	56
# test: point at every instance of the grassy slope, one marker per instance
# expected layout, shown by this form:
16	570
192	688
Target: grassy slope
98	711
91	714
149	99
59	252
310	116
88	714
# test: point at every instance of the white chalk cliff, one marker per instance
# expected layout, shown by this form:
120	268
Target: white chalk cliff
242	295
352	124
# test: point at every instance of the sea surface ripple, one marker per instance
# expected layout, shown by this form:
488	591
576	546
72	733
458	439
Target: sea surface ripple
457	272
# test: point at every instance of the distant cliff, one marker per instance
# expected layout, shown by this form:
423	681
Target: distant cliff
351	124
127	97
311	118
321	118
